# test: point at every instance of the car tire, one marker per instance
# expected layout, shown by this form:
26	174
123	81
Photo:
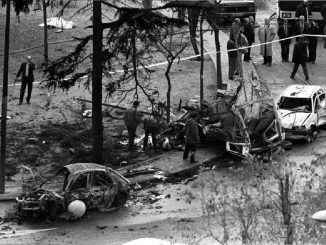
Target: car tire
120	199
53	212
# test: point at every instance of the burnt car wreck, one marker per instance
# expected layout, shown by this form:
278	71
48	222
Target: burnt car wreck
247	120
97	186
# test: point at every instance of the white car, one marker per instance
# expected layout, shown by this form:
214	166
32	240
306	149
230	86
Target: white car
303	110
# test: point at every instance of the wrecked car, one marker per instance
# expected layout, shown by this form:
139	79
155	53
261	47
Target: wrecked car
253	126
303	110
99	187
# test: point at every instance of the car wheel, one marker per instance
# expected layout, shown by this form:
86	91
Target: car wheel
120	199
53	212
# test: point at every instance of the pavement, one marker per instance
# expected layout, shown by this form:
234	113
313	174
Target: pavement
171	163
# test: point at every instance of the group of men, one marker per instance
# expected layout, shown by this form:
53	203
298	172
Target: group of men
267	33
153	125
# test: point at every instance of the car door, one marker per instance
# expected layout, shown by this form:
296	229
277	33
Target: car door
78	188
103	189
321	108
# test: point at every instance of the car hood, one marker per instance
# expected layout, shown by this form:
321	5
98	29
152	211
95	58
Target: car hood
293	119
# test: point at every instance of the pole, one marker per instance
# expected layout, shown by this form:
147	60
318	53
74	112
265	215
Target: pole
46	52
97	83
4	101
201	58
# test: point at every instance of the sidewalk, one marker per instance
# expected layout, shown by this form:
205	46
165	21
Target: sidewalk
248	67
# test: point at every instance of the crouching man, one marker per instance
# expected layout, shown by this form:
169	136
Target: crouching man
152	126
192	137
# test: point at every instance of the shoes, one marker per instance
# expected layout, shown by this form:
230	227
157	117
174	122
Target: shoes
250	58
185	158
292	77
269	64
192	159
236	73
264	63
307	78
246	60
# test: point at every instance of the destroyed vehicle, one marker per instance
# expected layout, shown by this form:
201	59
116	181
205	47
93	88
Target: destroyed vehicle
252	126
99	187
303	110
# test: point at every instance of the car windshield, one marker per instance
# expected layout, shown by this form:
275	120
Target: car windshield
295	104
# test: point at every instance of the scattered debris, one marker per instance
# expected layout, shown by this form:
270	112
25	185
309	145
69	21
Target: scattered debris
101	227
190	179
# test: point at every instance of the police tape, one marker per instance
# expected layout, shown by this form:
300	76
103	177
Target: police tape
212	52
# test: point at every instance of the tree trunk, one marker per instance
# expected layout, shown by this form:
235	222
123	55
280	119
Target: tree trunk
97	84
4	101
46	52
193	16
284	186
168	92
201	59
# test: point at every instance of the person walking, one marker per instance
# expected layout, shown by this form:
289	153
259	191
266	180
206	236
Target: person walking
285	31
312	41
26	71
303	9
132	119
152	126
249	32
233	56
300	57
266	34
192	137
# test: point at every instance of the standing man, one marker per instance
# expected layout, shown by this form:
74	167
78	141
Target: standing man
192	137
235	30
249	32
323	14
299	57
301	27
132	119
312	45
303	9
26	70
266	33
285	31
233	56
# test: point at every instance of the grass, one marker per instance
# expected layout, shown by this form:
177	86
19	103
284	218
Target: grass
27	33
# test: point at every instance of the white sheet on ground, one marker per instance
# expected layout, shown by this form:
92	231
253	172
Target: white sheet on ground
56	22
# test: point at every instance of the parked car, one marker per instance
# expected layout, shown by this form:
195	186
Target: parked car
303	110
99	187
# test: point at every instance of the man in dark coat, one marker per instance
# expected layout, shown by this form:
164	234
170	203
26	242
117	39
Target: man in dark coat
192	137
300	57
26	71
301	27
303	9
233	56
312	45
132	119
249	32
323	14
285	31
